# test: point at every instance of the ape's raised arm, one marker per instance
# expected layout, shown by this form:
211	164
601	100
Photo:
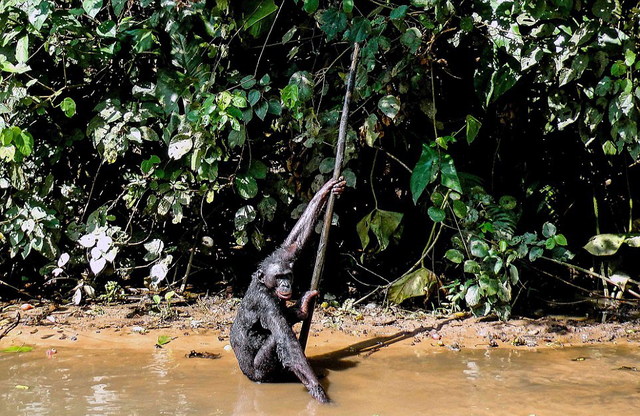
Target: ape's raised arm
300	233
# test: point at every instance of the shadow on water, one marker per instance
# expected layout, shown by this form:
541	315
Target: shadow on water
335	360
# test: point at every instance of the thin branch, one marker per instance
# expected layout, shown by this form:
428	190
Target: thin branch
595	275
340	147
255	72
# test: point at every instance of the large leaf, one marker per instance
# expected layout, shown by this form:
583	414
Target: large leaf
604	244
473	126
448	174
418	283
261	10
92	7
389	105
424	172
179	146
383	224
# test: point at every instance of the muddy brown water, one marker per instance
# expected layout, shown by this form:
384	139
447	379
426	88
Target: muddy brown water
592	380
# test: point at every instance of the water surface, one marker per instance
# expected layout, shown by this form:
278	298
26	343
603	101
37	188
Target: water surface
418	381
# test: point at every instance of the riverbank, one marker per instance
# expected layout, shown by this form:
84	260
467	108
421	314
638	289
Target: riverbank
203	326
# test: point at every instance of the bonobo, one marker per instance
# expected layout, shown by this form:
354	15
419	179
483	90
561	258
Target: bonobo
261	336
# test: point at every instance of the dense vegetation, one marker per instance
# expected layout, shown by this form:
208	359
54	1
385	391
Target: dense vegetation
173	141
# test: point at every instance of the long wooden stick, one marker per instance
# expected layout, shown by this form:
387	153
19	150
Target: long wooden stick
324	237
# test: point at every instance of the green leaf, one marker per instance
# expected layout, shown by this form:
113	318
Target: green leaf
604	244
360	29
107	29
22	49
535	253
473	126
436	214
460	209
412	39
246	186
253	97
383	225
560	239
508	202
347	6
261	110
424	172
454	256
92	7
389	105
258	169
362	228
262	11
471	266
304	81
448	174
310	6
369	128
548	229
618	69
466	23
118	6
418	283
24	143
244	216
609	148
333	21
164	339
327	165
398	13
629	57
18	348
479	248
550	243
68	106
237	138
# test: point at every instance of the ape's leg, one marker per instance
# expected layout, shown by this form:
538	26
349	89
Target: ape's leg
264	364
292	357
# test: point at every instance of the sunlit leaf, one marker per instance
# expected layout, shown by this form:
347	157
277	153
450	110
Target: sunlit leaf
389	105
92	7
18	348
604	244
164	339
418	283
179	146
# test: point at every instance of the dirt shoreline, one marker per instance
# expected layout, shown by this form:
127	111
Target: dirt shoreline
204	327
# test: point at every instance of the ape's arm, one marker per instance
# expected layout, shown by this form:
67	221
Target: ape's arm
302	230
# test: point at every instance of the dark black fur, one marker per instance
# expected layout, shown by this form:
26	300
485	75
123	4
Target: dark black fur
261	336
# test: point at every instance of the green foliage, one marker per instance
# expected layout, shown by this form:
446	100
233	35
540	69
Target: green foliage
130	129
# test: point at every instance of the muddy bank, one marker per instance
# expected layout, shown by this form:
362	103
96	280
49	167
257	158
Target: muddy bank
204	326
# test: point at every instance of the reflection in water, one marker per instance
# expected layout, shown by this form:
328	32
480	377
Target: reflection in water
473	371
469	382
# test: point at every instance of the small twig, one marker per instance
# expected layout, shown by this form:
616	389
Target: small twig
275	19
11	326
93	185
187	272
400	162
